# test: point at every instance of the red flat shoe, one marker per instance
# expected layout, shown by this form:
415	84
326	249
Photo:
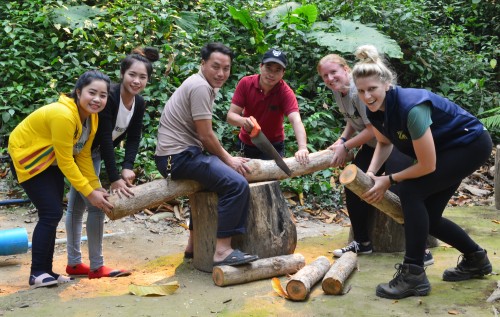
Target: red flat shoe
105	271
81	269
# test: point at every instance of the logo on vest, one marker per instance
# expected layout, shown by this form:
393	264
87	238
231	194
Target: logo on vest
402	135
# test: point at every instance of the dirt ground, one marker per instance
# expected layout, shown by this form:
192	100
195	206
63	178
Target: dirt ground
154	252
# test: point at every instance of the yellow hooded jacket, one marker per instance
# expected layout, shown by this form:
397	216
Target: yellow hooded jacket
49	133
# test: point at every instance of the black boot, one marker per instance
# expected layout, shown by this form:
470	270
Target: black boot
475	264
409	280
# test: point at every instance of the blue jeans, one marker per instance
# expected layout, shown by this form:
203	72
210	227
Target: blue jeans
231	187
45	191
77	204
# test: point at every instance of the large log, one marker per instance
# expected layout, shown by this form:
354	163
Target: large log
385	230
263	268
300	284
270	229
156	192
358	182
334	280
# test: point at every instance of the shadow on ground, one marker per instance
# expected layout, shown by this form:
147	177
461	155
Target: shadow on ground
198	296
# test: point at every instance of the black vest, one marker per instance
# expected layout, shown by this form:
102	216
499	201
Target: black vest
451	126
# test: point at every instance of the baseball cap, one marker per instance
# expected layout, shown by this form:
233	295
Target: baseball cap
276	56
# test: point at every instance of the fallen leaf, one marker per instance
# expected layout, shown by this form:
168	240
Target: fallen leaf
496	221
278	288
154	290
453	312
301	199
183	225
289	194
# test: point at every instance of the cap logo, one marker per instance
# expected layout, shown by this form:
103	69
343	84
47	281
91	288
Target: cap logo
276	53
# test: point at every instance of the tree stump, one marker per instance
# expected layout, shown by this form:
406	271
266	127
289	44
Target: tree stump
385	228
334	280
270	229
300	284
257	270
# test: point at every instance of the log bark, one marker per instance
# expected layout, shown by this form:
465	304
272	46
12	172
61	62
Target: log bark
385	230
299	286
334	280
497	178
154	193
358	182
263	268
270	229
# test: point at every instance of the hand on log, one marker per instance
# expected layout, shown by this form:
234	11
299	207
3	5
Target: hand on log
359	183
156	192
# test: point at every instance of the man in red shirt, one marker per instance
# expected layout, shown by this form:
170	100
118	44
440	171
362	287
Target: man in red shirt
268	99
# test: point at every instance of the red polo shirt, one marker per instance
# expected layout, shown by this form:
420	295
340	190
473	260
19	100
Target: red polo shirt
269	110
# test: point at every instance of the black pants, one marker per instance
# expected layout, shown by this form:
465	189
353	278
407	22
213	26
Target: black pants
45	191
424	199
253	152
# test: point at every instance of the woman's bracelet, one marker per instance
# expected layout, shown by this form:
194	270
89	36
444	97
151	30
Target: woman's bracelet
344	140
345	147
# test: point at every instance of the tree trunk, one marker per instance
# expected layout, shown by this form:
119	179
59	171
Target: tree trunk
300	284
334	280
156	192
263	268
270	229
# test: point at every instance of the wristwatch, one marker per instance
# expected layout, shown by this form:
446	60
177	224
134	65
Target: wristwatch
393	182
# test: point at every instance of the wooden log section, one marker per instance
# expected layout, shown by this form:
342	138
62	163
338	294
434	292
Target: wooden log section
263	268
359	183
299	286
156	192
334	280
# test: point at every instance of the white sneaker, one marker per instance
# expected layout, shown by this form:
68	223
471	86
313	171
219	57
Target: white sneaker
354	247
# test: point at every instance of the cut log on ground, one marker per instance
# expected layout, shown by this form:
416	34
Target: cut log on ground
270	229
359	183
299	286
154	193
263	268
334	280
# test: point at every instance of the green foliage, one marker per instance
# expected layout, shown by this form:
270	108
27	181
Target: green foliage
351	35
450	47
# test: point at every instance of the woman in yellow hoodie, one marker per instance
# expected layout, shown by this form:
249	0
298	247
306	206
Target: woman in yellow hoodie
51	143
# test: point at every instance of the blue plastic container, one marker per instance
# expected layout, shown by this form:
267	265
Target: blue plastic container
13	241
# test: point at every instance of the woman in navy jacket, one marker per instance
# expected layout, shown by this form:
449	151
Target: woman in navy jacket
120	120
447	143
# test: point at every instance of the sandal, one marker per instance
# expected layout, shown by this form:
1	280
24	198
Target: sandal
42	280
61	279
237	258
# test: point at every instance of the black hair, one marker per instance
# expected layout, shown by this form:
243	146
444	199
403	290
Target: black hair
208	49
147	55
86	79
